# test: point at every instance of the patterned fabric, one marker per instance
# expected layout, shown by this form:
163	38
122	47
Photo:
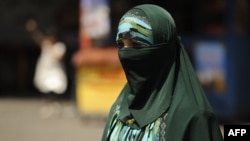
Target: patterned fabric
120	131
161	79
135	27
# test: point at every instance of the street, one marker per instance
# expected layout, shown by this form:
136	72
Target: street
35	120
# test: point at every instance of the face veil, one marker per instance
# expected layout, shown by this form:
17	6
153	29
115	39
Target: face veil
149	89
163	98
159	75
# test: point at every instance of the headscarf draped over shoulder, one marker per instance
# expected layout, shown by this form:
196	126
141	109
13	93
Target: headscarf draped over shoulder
150	71
161	78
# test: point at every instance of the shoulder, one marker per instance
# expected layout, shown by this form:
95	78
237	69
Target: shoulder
200	112
203	114
191	113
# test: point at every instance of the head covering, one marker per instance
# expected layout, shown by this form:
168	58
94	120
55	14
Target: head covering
158	74
135	26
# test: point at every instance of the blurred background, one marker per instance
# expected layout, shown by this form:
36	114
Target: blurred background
214	32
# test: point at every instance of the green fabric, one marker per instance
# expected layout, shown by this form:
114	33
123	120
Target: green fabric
149	89
161	80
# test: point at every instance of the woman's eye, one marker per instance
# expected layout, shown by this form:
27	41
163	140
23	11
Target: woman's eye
137	44
126	43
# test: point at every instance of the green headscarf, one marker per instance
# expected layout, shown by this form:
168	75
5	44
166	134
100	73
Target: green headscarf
162	84
155	72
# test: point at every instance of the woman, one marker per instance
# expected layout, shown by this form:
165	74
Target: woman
162	99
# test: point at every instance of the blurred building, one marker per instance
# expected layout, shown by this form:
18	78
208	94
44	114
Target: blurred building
214	32
19	53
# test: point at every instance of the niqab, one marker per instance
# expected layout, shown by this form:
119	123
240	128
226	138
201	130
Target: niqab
157	72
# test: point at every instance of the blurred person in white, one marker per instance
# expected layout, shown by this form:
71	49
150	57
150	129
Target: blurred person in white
50	77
